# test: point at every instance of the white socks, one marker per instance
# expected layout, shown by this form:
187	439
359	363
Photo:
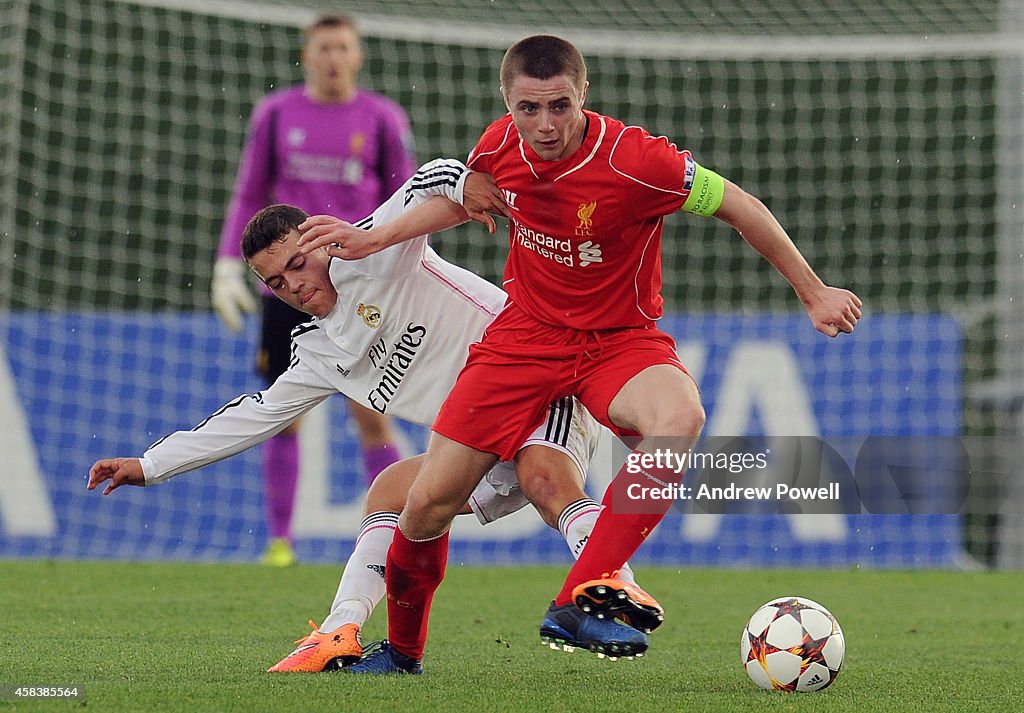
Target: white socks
577	522
362	582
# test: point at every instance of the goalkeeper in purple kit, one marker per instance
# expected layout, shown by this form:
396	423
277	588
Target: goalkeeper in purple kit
326	146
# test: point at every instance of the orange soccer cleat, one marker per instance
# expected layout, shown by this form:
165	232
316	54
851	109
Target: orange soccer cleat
323	652
615	598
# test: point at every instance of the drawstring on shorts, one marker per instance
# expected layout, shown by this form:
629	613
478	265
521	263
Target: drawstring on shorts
591	346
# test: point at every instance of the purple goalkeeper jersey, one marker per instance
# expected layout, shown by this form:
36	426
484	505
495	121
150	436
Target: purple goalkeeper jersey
339	159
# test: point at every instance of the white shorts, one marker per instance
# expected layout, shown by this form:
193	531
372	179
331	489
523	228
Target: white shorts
569	428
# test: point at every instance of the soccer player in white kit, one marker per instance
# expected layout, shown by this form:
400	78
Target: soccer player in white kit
391	331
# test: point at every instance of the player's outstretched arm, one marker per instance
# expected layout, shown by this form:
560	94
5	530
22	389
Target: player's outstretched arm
346	241
831	309
119	471
480	196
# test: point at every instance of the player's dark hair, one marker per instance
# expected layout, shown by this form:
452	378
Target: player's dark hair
330	22
270	225
543	57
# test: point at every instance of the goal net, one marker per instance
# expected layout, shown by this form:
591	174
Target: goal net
887	137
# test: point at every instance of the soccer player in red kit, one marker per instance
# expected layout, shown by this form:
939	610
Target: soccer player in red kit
586	199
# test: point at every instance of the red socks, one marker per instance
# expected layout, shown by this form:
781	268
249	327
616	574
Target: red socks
413	572
623	525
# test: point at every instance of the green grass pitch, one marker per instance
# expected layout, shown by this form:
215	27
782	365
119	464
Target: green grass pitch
188	637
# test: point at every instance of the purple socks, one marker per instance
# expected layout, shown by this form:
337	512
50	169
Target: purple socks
377	458
280	475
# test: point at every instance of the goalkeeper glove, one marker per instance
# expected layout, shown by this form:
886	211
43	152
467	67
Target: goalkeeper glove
229	292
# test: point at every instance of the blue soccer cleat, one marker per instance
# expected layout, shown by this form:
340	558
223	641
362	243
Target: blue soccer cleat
567	628
381	658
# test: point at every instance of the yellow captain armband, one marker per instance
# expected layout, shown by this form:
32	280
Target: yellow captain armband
706	192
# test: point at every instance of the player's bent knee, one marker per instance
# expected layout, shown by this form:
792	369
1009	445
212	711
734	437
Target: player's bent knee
427	515
692	419
382	496
684	420
547	493
549	479
390	488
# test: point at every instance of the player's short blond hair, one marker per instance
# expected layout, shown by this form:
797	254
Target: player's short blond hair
543	57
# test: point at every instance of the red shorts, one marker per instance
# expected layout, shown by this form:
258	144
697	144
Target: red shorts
522	365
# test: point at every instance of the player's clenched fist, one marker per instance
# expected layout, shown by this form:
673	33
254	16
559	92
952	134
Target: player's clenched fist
833	310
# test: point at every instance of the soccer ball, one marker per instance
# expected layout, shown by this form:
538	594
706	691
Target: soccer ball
792	644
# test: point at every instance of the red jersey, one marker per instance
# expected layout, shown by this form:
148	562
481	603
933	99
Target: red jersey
585	231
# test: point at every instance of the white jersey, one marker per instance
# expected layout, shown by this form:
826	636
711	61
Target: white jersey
395	341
